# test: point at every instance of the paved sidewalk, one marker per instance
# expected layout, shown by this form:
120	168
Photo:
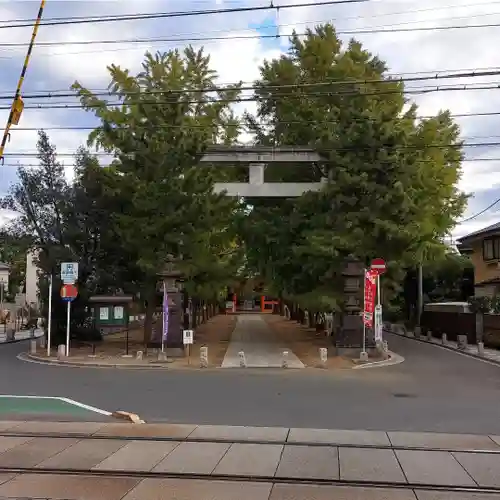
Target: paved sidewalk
255	338
191	462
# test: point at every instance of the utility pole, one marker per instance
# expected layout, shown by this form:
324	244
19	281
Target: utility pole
18	105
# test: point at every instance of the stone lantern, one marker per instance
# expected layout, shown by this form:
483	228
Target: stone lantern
349	338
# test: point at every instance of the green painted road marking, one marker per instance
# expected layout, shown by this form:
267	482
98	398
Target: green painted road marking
13	404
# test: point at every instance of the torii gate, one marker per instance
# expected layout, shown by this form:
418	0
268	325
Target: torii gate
257	157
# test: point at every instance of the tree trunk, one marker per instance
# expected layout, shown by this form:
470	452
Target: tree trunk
148	320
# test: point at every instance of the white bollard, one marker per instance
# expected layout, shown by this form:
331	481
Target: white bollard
204	357
480	348
363	356
61	351
33	346
323	356
418	332
162	356
429	335
444	339
243	361
284	360
139	355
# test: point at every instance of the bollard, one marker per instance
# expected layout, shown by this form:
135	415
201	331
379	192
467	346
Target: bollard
61	351
243	361
418	332
480	348
204	357
363	356
462	342
33	346
162	356
284	360
139	355
429	335
323	356
42	342
444	339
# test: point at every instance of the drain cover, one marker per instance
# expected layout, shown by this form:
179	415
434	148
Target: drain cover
404	395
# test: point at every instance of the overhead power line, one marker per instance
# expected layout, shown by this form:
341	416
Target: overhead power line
353	81
191	39
472	217
413	91
23	23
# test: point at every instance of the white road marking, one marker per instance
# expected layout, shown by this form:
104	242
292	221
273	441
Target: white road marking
59	398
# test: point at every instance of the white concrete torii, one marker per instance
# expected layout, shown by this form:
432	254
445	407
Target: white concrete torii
257	157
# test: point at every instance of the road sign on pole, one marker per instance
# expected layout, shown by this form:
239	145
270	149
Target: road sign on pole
69	293
69	272
379	266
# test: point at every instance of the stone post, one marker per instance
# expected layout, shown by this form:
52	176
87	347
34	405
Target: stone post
284	361
61	351
139	355
203	357
444	339
462	342
480	349
33	346
323	356
243	361
418	332
429	335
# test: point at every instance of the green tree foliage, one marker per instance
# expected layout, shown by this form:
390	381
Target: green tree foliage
61	221
391	189
156	126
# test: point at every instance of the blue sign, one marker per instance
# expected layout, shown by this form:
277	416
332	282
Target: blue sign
68	299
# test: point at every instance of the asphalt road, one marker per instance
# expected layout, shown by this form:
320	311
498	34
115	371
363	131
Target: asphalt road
433	390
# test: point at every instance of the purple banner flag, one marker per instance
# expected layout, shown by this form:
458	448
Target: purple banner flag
165	313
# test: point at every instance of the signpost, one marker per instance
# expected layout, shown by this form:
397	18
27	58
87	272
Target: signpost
378	267
187	338
68	295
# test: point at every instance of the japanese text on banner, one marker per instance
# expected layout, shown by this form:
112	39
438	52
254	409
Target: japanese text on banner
370	290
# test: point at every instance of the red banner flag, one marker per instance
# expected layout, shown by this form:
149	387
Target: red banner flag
370	291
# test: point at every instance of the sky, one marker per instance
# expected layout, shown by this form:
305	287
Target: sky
413	51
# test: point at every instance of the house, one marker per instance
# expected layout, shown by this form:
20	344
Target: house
483	247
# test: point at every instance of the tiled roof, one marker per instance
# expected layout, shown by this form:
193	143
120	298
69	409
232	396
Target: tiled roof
493	227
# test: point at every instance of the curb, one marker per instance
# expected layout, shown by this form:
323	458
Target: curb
56	362
447	347
394	359
132	418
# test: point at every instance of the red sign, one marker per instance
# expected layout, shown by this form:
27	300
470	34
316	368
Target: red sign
69	292
370	291
378	266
